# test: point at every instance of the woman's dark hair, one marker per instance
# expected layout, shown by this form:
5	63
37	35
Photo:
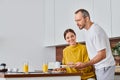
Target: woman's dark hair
68	30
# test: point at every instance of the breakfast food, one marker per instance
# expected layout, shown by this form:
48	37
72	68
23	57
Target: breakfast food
64	66
59	70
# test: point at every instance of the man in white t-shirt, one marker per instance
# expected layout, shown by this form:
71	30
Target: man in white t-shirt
98	47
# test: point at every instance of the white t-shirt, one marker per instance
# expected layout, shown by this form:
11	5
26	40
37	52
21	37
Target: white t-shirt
96	40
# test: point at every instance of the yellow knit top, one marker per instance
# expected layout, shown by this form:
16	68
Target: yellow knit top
77	53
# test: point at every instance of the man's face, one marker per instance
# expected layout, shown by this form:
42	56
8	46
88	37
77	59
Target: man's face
80	20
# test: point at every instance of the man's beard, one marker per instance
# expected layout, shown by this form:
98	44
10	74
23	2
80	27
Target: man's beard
81	27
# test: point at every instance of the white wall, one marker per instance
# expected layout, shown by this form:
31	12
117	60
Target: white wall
22	34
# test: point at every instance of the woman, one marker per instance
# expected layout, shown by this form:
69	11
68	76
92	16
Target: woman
74	53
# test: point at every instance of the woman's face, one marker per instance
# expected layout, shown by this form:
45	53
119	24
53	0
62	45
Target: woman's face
70	38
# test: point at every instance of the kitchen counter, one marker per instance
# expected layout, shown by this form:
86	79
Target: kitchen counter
44	76
117	73
40	76
14	75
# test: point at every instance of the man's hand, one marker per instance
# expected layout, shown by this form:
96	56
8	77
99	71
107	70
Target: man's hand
79	65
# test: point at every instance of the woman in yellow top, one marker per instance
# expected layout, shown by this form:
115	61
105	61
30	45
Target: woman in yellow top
74	53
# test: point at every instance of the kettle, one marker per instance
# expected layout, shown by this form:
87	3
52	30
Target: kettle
3	69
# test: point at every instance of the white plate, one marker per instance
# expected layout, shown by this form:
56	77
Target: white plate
64	66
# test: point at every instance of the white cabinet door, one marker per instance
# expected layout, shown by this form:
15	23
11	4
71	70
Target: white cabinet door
64	17
117	77
102	14
115	4
2	79
49	22
45	78
57	78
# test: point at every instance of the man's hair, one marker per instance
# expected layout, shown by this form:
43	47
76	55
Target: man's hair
84	12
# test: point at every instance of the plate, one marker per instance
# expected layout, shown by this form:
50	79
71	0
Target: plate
64	66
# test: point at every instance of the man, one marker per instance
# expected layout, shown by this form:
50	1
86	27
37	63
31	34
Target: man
98	47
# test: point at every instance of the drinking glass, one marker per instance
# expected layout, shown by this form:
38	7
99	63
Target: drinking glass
25	68
45	67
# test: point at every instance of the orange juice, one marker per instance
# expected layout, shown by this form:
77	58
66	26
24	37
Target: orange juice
45	67
25	68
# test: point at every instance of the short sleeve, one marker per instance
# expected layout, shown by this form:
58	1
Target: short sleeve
99	41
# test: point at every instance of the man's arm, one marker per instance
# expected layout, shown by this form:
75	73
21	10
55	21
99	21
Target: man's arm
100	56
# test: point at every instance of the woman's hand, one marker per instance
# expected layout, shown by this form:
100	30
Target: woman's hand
71	64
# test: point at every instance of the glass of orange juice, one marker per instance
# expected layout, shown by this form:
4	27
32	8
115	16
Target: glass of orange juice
45	67
25	68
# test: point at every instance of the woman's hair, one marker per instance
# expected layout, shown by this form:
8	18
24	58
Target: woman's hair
68	30
84	12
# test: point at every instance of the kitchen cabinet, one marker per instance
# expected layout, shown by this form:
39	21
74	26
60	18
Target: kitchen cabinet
64	17
102	12
102	15
45	78
106	14
115	4
40	76
62	14
49	22
117	77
